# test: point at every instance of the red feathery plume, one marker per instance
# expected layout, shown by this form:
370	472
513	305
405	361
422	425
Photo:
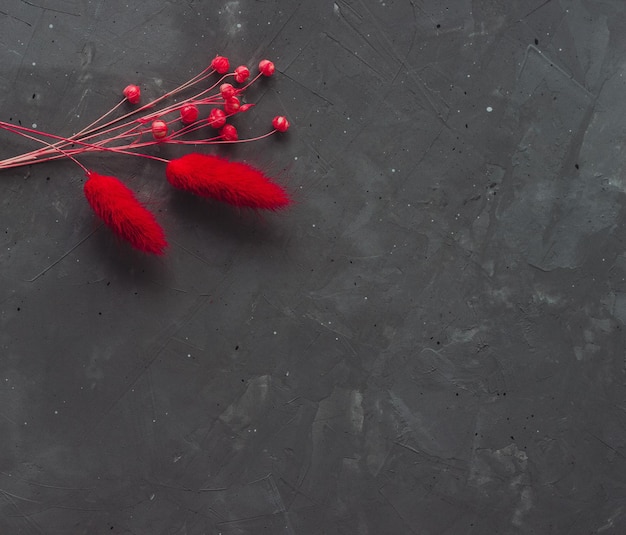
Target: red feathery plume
232	182
118	207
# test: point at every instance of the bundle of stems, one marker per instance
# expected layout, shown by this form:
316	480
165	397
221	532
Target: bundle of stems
157	122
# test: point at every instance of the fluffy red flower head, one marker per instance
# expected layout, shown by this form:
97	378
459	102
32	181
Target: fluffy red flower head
117	206
236	183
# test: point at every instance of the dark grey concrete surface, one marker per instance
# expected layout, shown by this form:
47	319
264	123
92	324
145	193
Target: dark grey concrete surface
429	342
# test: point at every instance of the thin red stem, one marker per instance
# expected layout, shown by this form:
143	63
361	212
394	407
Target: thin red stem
91	130
24	131
49	145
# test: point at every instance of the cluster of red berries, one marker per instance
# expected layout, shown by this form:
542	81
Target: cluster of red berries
229	98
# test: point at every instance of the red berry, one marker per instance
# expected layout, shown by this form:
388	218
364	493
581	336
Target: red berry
242	73
189	114
229	133
132	93
159	129
280	123
220	64
266	67
227	91
217	118
232	105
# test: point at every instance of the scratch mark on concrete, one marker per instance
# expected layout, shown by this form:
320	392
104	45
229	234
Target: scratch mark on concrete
9	497
556	67
536	9
145	363
354	55
44	8
64	255
14	18
309	89
396	511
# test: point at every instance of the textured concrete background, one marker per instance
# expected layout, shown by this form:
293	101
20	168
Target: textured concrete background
429	342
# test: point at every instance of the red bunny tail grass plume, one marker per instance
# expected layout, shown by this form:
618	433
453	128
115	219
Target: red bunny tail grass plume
232	182
118	207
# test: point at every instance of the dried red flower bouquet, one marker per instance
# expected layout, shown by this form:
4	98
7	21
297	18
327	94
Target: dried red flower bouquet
155	123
